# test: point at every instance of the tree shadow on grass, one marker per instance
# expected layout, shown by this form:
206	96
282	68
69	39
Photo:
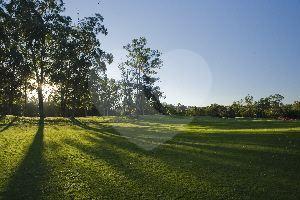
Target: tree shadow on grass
102	128
231	124
27	180
261	166
129	160
7	126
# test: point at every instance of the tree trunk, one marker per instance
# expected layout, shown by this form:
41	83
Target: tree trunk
63	103
11	92
138	91
40	81
10	103
41	100
25	99
74	106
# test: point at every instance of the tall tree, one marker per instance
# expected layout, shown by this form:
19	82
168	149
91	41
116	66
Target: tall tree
35	24
39	43
106	94
78	55
127	90
14	67
141	69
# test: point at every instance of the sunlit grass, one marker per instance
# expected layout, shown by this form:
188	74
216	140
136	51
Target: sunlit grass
108	158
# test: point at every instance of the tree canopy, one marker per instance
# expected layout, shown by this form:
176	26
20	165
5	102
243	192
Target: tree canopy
40	46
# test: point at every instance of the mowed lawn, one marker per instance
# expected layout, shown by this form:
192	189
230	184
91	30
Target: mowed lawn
154	157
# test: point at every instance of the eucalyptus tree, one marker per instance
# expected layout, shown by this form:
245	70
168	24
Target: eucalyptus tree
78	54
127	88
109	96
61	56
142	65
90	58
249	107
39	43
34	22
106	94
296	109
14	68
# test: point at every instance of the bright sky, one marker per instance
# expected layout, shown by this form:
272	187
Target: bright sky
215	51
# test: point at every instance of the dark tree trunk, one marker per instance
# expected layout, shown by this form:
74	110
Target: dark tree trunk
40	81
74	106
85	112
63	103
11	92
41	100
25	99
10	103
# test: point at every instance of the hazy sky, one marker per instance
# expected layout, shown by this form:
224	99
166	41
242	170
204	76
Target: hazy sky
215	51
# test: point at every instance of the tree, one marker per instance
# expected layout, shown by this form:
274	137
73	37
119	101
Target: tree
127	91
34	21
78	56
276	103
236	108
249	107
216	110
139	72
293	110
13	67
39	43
106	94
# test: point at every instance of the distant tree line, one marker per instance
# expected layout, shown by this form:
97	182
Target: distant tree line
269	107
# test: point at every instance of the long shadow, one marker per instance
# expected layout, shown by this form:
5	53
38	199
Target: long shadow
231	124
216	158
119	153
7	126
110	134
104	129
26	182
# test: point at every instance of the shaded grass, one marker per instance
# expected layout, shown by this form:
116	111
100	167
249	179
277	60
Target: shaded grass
90	158
9	124
26	181
240	123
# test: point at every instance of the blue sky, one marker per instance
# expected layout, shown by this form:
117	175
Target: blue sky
215	51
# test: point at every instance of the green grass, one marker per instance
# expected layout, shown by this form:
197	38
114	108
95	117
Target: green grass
115	158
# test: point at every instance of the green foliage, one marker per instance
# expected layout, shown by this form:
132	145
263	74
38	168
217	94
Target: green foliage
293	110
39	43
139	78
106	95
269	107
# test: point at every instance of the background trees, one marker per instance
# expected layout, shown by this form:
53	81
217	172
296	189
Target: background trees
106	95
292	110
269	107
14	69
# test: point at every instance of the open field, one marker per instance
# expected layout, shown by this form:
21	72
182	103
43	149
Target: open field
108	158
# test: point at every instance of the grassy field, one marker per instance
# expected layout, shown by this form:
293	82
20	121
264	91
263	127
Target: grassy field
151	158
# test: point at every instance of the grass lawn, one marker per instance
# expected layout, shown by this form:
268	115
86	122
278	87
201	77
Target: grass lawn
151	158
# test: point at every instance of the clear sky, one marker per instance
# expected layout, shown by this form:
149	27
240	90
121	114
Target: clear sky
215	51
